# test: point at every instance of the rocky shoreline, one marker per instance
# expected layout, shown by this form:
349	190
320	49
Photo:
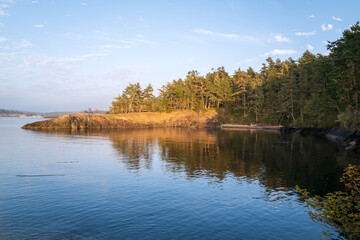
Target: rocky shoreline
251	127
349	139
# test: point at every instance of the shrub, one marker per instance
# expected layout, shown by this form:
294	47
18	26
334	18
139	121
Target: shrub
339	210
350	118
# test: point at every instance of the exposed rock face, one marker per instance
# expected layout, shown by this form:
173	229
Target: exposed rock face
349	139
188	119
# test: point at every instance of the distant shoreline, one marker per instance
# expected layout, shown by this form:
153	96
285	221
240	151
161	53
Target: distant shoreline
21	116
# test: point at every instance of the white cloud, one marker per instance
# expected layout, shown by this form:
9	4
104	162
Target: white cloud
121	72
280	38
326	53
39	26
325	42
305	33
108	46
328	27
5	5
246	61
277	52
142	40
336	19
3	13
72	35
116	42
35	2
309	47
84	4
3	39
81	58
311	16
211	33
25	43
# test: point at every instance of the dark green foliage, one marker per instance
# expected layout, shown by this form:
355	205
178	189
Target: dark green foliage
313	91
340	210
318	113
345	56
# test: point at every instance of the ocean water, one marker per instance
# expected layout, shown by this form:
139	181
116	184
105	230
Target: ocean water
161	183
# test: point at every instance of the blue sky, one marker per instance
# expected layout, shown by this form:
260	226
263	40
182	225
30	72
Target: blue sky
69	55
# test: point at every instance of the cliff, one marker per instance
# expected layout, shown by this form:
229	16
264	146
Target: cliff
187	119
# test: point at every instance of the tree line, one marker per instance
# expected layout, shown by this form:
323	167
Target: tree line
314	90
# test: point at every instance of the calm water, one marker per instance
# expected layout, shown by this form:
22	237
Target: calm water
161	183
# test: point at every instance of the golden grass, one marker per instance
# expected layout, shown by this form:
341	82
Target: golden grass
189	119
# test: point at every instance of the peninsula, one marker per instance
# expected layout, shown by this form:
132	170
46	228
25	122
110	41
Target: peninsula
189	119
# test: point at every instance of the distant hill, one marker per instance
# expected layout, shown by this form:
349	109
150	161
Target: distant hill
18	113
15	113
4	111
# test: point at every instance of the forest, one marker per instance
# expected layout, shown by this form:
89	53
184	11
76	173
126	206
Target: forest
312	91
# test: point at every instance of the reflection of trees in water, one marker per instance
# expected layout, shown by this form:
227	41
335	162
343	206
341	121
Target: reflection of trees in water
277	161
282	161
210	159
135	148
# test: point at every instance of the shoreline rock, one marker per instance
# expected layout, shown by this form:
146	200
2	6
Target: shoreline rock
258	127
349	139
